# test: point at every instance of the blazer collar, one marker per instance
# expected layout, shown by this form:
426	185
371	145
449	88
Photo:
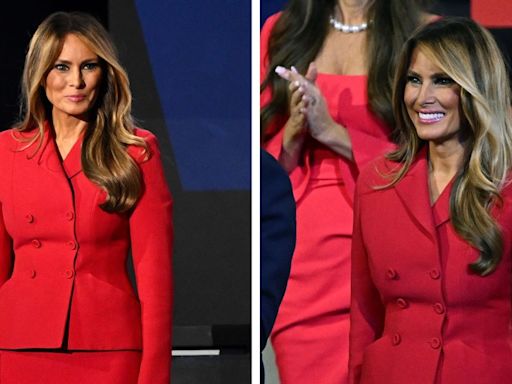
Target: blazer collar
49	156
414	194
72	164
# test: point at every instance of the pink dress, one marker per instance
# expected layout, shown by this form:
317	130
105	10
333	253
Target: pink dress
310	335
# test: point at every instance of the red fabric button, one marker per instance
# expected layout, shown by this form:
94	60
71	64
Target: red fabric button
435	343
29	218
396	339
435	274
71	244
69	273
438	308
402	303
36	243
70	215
391	274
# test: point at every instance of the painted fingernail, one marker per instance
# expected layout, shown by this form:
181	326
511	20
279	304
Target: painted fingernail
296	83
294	70
280	70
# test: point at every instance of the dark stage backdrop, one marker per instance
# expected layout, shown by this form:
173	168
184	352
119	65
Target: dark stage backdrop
189	65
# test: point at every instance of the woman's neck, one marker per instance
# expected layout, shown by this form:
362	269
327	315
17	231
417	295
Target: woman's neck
446	160
353	11
67	128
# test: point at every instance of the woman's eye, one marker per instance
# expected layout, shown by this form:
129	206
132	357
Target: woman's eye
413	79
61	67
444	81
90	66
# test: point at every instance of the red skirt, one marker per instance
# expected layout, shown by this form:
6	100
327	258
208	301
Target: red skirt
109	367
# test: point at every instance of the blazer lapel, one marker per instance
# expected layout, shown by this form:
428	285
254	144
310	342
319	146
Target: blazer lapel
49	157
73	162
413	192
441	208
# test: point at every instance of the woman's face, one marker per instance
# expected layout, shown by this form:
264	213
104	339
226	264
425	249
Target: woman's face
432	99
73	83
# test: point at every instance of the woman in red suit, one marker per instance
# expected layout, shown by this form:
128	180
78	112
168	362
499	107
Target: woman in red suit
80	188
432	248
336	119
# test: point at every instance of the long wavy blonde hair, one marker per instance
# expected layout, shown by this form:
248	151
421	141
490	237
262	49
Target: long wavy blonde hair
467	53
105	160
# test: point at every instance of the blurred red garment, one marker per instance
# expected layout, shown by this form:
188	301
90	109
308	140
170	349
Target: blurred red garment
492	13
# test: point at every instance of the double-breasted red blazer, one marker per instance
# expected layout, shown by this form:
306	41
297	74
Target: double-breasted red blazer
418	314
63	259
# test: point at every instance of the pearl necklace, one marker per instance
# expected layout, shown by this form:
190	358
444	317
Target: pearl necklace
347	28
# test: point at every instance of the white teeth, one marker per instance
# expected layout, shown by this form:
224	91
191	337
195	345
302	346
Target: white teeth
431	116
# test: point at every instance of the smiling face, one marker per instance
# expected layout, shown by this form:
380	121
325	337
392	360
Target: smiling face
432	99
73	83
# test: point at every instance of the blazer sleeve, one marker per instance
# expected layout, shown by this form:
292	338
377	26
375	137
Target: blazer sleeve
6	253
151	232
366	310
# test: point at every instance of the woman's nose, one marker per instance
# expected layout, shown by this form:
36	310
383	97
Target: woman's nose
426	94
76	79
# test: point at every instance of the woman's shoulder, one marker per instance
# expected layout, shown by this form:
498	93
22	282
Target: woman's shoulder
7	135
148	136
271	21
506	190
377	173
139	153
267	28
8	139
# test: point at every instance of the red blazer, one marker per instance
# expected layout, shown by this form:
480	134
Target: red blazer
418	314
61	254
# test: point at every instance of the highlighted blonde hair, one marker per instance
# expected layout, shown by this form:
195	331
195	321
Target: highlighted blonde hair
467	53
105	160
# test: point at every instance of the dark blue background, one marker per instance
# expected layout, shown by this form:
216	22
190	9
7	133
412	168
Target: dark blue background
200	56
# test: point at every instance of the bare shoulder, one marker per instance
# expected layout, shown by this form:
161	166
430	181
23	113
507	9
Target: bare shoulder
427	18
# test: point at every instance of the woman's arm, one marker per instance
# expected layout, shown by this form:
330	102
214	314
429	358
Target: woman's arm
288	143
151	232
366	309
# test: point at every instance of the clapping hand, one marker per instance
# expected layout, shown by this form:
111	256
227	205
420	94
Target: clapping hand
307	103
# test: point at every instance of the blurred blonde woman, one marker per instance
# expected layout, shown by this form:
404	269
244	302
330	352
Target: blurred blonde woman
432	250
81	187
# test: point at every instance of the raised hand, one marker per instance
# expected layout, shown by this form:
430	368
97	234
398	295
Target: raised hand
320	125
295	128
